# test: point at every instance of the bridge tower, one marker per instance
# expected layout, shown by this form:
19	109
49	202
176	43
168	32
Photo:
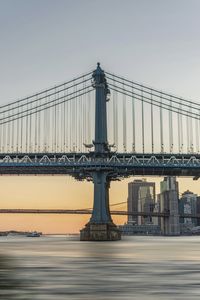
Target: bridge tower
100	226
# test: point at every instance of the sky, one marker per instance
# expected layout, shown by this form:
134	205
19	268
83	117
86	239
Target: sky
44	42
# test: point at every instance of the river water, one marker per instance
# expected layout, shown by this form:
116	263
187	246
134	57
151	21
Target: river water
59	267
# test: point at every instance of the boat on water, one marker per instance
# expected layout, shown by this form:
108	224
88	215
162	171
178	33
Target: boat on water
34	234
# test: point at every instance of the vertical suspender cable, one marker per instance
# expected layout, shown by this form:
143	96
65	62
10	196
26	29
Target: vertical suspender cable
26	129
152	127
1	137
82	120
80	124
64	125
188	138
2	129
161	125
5	137
43	127
89	118
198	130
12	138
57	107
72	121
170	128
67	129
114	115
45	121
84	116
18	129
116	120
181	128
191	132
36	127
21	143
69	125
142	120
58	119
30	131
39	124
197	135
75	120
49	128
124	119
53	128
55	124
82	103
8	133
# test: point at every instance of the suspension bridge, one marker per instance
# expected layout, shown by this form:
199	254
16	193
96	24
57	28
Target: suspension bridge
100	127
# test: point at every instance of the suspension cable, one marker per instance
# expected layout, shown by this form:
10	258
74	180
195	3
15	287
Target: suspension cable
38	110
44	92
155	102
189	103
44	105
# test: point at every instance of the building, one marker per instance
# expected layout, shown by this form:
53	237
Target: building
198	210
189	204
141	197
132	229
168	200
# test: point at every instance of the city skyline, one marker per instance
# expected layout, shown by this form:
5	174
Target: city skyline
63	223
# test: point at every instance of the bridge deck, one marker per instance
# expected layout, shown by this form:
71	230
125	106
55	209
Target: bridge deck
89	211
124	164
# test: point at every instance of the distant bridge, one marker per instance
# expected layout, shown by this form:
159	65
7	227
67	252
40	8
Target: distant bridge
89	212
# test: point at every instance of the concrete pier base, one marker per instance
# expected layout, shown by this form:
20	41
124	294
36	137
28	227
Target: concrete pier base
100	232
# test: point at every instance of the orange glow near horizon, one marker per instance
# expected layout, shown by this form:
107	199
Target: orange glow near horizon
62	192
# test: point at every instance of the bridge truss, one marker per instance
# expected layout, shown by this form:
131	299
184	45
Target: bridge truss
119	164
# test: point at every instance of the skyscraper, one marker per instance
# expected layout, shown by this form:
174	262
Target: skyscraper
169	204
141	197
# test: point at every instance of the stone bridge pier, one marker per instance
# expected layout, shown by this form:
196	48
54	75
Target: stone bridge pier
100	226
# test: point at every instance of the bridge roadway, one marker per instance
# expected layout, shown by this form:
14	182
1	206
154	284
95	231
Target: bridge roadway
118	164
89	211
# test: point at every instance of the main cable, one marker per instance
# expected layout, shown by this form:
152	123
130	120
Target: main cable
151	89
44	92
154	102
46	106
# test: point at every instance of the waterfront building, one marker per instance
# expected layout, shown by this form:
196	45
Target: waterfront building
133	229
141	197
189	204
198	210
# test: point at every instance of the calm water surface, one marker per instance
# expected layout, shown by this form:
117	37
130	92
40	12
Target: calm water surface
58	267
